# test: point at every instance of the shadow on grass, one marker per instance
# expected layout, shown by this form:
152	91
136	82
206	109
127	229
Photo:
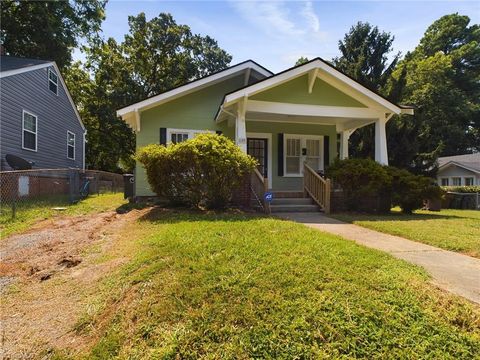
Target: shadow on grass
171	215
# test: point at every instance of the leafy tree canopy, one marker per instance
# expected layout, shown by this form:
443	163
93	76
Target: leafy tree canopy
49	29
155	56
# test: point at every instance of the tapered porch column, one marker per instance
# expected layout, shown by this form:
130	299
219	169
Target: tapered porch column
381	154
344	136
240	126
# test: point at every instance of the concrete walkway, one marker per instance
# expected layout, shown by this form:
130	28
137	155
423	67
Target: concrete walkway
457	273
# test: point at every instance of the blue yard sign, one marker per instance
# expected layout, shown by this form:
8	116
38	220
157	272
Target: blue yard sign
268	196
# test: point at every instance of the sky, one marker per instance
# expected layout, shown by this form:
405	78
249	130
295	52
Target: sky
277	33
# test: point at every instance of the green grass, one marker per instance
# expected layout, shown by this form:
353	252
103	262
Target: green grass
32	212
455	230
236	287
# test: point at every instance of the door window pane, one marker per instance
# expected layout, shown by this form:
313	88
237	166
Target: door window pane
293	156
313	154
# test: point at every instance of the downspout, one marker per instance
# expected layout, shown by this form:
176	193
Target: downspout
84	142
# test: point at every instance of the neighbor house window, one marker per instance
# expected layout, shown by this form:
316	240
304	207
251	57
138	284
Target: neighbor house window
457	181
176	136
53	82
29	131
444	181
70	145
468	181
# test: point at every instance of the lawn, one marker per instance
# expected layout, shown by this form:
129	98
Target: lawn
241	286
30	213
455	230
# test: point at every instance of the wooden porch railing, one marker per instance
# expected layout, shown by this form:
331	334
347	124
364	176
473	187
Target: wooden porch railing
259	186
317	187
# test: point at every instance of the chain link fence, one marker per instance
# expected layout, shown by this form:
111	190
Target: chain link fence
21	190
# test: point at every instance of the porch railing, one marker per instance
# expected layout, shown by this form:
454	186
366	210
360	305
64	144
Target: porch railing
317	187
259	186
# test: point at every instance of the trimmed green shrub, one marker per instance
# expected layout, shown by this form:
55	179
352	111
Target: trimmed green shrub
202	172
370	187
463	189
362	180
409	191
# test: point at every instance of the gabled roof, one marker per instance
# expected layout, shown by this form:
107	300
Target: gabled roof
467	161
11	65
314	67
16	65
193	86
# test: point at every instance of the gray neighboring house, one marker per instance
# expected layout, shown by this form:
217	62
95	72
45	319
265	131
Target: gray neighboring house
459	170
38	119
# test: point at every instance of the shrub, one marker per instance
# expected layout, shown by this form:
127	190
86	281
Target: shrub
409	191
202	172
371	187
361	181
463	189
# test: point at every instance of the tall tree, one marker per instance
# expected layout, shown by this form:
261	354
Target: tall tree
365	56
49	29
442	78
155	56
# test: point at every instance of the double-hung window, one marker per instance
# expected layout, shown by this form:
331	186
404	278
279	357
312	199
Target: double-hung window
53	81
444	181
175	136
300	149
457	181
70	145
468	181
29	131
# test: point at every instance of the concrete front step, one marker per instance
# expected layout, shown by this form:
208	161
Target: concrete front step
287	194
292	201
294	208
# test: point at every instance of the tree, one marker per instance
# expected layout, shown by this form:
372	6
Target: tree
302	60
442	78
49	29
155	56
365	57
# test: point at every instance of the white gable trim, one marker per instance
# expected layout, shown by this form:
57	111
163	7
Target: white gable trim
454	163
25	69
326	72
192	86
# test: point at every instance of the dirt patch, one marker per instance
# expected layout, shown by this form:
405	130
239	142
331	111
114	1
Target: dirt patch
47	273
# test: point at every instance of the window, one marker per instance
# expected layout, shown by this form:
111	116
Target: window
176	136
29	131
468	181
70	145
444	181
300	149
53	82
457	181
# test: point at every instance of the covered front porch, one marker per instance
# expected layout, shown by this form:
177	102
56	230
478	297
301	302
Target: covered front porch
300	121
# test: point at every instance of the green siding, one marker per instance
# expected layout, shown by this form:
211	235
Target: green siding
275	128
296	92
194	111
197	111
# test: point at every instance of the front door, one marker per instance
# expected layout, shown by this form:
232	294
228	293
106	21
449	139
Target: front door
257	148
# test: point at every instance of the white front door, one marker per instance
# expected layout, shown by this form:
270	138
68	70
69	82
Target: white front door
300	149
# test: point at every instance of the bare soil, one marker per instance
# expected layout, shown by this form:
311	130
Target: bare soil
46	275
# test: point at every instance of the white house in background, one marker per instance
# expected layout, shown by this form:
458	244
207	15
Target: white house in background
459	170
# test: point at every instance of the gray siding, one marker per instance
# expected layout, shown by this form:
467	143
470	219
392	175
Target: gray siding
456	171
55	116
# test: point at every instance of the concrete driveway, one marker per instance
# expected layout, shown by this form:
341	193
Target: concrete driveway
457	273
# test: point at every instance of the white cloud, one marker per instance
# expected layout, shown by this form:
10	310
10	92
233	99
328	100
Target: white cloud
310	16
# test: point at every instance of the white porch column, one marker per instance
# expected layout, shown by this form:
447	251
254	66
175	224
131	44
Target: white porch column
381	154
240	126
344	136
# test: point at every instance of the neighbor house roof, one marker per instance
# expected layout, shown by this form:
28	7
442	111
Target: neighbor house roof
467	161
128	112
12	65
314	68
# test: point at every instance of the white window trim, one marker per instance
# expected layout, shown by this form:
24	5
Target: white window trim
51	81
31	132
267	136
191	133
74	144
303	138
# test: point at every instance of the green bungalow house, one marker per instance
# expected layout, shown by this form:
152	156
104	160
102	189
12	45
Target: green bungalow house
284	120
